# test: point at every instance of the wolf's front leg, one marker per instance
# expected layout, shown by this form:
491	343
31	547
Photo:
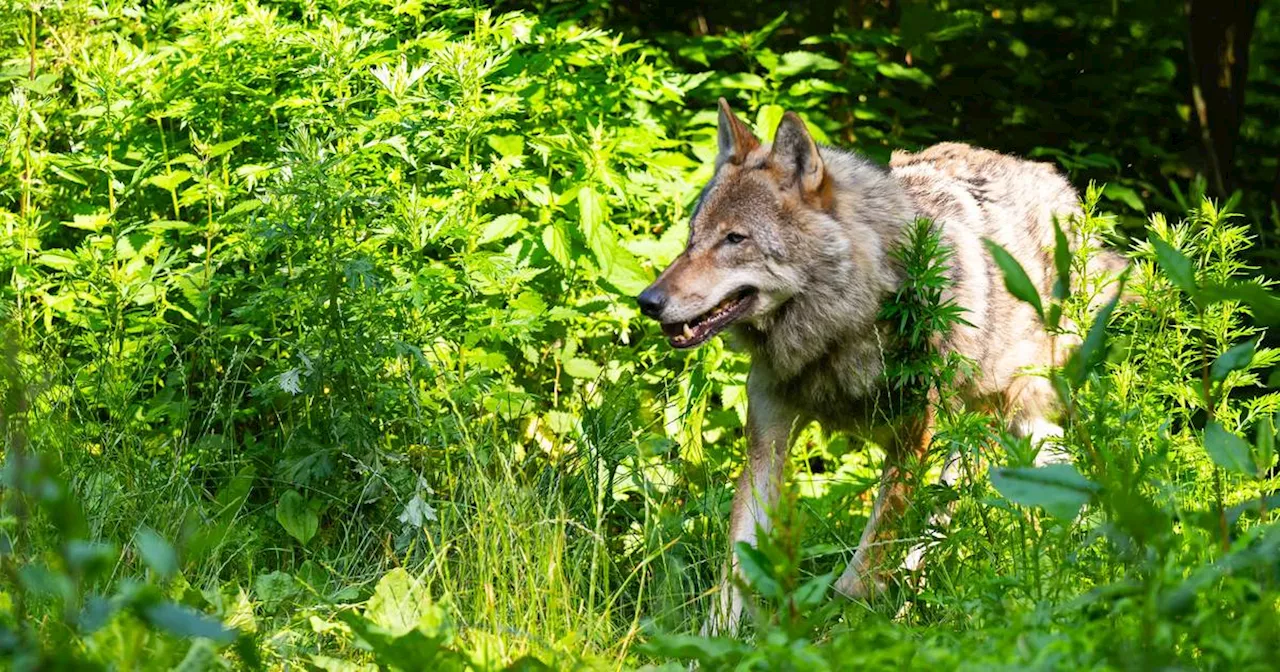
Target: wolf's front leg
769	428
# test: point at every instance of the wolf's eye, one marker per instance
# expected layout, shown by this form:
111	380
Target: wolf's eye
734	238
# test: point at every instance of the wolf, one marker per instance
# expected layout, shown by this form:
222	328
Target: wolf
790	248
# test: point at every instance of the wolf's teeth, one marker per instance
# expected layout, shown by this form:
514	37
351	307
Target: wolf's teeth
688	333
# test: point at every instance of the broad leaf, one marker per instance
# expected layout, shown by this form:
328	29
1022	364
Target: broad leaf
813	592
1061	262
187	622
1057	488
401	604
1228	450
1176	266
157	553
296	517
757	570
1235	358
716	652
413	650
1090	352
1015	278
1264	447
1124	195
579	367
556	241
501	228
767	119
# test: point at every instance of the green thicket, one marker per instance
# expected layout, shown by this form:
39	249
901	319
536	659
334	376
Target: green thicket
320	348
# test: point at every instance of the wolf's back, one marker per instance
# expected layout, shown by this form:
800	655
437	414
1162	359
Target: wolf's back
976	194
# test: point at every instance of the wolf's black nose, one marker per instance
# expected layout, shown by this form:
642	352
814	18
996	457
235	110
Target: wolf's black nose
651	302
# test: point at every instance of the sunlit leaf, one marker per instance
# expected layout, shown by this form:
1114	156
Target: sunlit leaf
501	228
1176	266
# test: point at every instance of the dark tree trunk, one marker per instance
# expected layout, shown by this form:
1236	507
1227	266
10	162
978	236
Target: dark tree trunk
1218	50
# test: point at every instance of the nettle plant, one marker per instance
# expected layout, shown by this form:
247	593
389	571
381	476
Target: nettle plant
373	229
1153	415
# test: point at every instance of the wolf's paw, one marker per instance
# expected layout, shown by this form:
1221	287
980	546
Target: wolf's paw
1047	438
856	586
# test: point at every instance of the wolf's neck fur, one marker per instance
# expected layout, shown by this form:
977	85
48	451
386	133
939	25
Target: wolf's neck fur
849	274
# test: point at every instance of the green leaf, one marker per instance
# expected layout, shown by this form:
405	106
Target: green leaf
89	558
578	367
186	622
713	652
501	228
813	592
1176	266
59	260
170	181
95	222
1261	552
214	151
799	62
1124	195
757	570
401	604
507	146
1234	359
743	80
1264	305
1264	446
767	119
593	216
1015	278
1061	262
900	71
275	588
157	553
556	242
1228	450
627	274
202	656
617	265
1090	352
1057	488
408	651
296	517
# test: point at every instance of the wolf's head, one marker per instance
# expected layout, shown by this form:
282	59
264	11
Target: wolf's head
738	263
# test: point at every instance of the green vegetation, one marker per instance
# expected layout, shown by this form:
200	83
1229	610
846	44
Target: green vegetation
319	345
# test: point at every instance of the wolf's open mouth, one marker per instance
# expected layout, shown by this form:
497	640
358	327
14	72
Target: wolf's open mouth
712	322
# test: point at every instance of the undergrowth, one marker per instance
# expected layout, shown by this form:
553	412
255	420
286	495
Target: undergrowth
320	353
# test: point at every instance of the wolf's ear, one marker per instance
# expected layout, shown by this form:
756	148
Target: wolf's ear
795	154
735	139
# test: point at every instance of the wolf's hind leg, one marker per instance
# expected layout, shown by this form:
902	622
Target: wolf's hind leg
858	580
1033	401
